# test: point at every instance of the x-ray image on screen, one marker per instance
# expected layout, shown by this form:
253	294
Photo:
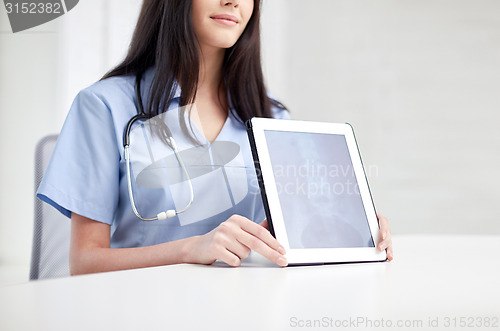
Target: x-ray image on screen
318	191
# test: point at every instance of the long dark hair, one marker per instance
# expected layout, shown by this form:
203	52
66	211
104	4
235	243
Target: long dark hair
164	38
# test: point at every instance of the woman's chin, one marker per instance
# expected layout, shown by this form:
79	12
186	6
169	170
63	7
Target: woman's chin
223	42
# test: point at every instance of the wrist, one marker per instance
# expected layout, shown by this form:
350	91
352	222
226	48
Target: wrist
188	251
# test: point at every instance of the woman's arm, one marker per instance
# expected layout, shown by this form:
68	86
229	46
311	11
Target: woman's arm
230	242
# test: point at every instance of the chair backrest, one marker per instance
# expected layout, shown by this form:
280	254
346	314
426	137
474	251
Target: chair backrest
51	235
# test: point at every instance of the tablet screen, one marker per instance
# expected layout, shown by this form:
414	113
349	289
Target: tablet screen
318	190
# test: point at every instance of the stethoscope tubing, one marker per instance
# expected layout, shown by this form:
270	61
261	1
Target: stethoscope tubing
126	145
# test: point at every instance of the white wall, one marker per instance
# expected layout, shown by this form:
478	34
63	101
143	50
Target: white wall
27	100
420	82
418	79
42	69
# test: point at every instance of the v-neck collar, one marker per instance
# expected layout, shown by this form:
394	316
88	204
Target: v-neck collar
199	131
148	78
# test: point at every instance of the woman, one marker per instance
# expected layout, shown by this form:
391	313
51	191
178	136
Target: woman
205	55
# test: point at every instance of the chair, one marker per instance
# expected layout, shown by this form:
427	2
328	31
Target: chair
51	234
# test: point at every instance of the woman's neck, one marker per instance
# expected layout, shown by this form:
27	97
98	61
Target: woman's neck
210	75
211	102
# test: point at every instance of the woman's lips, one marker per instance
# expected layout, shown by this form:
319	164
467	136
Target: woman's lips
228	20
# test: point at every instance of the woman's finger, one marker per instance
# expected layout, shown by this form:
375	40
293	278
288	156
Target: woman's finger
385	236
261	233
390	254
383	223
229	258
262	248
264	224
259	239
237	248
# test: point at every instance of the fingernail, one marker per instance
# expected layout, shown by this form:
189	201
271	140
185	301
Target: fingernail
281	250
282	262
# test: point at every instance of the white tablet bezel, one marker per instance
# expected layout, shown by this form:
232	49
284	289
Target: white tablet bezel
256	127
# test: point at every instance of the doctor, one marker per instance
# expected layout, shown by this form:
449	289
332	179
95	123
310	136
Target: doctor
202	54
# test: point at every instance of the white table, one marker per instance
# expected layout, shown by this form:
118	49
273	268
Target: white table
447	280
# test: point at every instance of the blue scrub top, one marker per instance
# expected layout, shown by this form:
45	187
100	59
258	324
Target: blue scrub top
87	171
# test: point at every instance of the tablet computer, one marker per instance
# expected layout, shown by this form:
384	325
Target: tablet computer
315	192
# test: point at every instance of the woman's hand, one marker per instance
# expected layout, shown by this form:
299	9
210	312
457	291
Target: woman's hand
233	241
385	236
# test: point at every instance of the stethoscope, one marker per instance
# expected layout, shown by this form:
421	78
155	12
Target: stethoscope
126	143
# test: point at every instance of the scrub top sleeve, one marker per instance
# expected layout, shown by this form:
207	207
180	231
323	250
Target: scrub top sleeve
83	174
